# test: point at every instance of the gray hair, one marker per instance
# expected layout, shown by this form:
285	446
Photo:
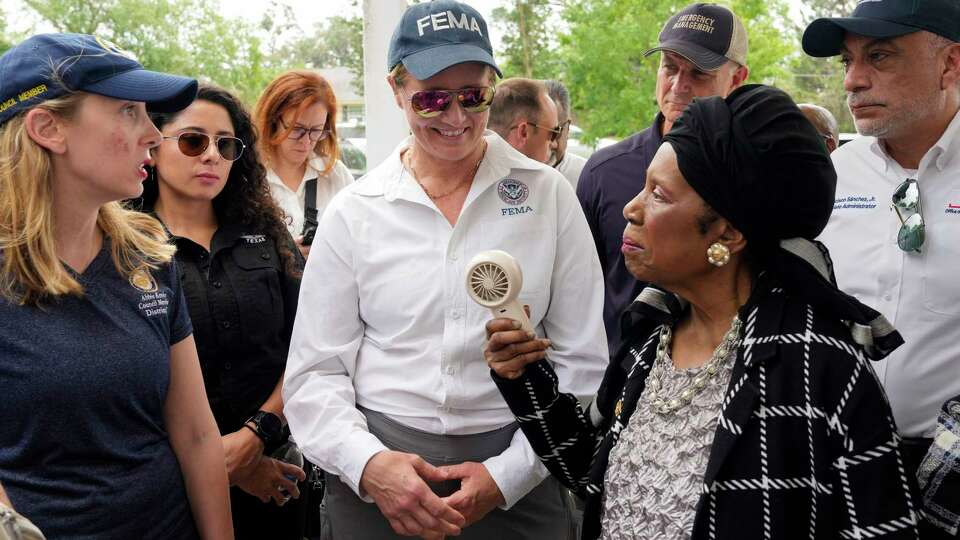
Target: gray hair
822	119
558	93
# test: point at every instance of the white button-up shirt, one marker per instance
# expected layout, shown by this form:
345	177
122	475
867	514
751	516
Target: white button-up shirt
293	202
385	321
571	167
918	292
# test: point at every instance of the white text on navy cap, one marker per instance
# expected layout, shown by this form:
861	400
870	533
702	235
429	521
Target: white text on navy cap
443	21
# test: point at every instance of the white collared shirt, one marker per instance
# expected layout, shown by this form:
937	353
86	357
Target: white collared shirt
570	167
918	292
385	322
292	202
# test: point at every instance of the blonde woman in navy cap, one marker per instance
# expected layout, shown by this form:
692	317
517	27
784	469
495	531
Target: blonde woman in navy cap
107	432
385	386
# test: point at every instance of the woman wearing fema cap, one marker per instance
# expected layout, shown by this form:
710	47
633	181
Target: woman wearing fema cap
107	432
742	403
386	387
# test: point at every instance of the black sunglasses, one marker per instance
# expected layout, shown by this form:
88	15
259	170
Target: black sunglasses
912	230
194	144
555	133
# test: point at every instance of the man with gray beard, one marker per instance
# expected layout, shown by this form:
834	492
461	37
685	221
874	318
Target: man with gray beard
895	230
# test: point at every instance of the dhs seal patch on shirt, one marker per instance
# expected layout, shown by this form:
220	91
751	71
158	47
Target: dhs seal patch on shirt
512	191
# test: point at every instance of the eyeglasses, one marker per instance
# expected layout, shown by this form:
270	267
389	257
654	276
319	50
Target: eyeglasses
565	126
907	198
430	103
297	133
555	133
194	144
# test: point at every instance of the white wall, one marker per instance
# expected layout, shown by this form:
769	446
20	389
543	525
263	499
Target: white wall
386	125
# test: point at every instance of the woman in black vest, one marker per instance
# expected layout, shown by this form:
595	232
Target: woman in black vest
240	273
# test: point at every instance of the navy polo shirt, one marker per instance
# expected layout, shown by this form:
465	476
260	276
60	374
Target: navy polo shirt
84	449
611	178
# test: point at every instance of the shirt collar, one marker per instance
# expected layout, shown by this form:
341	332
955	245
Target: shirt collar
314	166
948	145
394	182
940	155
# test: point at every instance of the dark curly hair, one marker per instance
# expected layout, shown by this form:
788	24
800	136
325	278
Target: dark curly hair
246	197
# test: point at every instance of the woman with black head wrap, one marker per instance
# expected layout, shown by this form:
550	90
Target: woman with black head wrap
742	403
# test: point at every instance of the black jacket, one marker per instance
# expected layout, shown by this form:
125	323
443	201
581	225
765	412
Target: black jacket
805	447
242	304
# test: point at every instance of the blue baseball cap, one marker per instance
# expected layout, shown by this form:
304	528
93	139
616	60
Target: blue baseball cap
433	36
48	66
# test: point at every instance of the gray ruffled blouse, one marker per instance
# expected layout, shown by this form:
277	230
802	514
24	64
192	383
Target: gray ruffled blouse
655	473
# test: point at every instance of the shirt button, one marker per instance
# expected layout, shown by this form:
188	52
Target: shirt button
887	297
450	370
454	256
228	366
225	324
456	314
217	284
265	256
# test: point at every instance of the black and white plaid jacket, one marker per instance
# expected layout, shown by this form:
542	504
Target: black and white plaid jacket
805	447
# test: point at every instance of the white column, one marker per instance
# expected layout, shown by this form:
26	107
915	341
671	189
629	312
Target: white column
386	124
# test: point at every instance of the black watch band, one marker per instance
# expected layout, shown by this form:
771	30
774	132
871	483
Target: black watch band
267	426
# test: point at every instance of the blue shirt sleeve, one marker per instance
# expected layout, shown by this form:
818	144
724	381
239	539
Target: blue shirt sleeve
180	325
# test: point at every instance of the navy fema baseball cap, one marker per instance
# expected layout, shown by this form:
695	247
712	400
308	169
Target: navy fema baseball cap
433	36
48	66
706	34
883	19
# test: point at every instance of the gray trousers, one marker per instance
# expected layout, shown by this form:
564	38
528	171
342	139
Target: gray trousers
543	514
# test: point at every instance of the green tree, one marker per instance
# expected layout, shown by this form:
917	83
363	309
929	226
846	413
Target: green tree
188	37
612	84
529	49
5	40
820	80
335	42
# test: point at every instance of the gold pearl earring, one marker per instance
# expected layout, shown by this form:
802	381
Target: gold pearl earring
718	254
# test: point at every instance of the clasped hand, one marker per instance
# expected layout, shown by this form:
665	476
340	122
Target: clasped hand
397	482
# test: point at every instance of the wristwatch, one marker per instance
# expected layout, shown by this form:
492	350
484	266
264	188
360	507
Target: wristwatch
267	426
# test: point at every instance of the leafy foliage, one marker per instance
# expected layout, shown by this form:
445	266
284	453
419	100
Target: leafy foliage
338	41
820	80
599	49
528	47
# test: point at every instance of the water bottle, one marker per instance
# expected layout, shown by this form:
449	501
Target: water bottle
289	453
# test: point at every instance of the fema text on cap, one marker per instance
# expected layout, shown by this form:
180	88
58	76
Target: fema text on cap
446	21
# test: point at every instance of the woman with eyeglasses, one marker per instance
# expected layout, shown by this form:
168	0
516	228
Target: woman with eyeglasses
106	430
386	387
241	276
297	119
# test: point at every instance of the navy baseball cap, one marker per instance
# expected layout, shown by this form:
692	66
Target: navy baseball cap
433	36
48	66
883	19
706	34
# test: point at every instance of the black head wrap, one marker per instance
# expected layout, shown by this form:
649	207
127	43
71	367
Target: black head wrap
759	163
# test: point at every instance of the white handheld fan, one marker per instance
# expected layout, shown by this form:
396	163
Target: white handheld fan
494	281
